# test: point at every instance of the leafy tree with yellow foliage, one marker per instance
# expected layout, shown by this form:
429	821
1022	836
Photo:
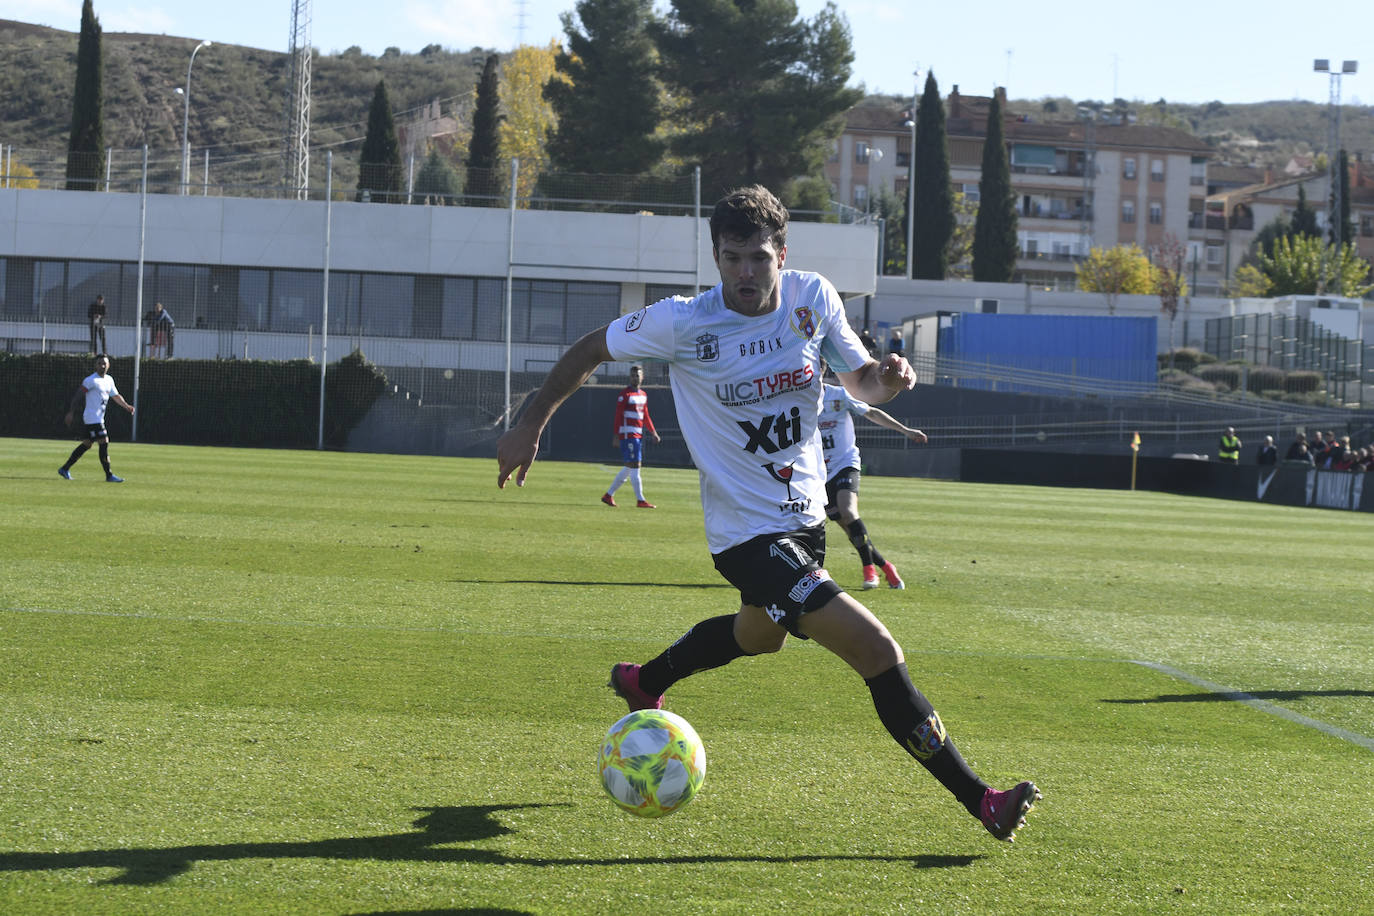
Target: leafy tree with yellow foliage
528	115
1114	271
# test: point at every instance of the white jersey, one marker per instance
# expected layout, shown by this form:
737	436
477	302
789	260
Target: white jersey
748	392
99	389
836	423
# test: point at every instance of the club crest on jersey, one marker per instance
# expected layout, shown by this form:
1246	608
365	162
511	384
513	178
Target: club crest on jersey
708	348
804	322
634	321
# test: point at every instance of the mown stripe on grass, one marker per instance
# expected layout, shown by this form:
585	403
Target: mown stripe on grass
1241	696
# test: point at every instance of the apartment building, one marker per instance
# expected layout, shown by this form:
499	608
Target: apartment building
1242	212
1079	184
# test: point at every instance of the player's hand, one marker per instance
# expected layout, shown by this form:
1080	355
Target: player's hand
515	452
896	373
68	418
915	435
657	439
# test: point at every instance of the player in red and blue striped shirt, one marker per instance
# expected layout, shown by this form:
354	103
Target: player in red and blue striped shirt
632	420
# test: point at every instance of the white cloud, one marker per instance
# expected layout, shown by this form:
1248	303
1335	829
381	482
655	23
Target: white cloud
461	24
59	14
147	20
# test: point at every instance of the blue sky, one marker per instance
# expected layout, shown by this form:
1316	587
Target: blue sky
1181	50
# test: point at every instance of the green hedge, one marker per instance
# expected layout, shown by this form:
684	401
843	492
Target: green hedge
197	402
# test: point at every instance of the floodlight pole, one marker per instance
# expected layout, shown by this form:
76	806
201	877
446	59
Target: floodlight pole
186	121
911	174
1324	65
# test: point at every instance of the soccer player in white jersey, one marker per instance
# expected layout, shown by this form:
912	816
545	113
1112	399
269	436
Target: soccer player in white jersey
628	426
95	393
842	462
745	358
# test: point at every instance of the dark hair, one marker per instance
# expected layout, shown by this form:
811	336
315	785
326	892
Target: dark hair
745	211
100	356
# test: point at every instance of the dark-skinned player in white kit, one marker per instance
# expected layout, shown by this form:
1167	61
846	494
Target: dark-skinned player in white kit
745	370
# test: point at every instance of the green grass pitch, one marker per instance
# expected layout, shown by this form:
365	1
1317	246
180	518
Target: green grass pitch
298	682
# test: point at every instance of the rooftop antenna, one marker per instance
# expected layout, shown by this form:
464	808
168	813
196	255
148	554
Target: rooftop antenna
296	153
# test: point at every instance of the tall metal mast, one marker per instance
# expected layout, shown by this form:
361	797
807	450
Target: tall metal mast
296	155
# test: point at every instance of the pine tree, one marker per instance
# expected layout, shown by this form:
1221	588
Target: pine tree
994	233
483	185
87	140
437	182
934	211
763	94
608	104
379	164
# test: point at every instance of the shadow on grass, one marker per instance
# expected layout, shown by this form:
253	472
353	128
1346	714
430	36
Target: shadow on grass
435	829
589	582
1239	696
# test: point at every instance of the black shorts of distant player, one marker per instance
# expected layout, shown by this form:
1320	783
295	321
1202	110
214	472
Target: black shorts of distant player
781	573
846	479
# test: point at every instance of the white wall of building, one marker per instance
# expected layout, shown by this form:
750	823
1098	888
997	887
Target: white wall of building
446	241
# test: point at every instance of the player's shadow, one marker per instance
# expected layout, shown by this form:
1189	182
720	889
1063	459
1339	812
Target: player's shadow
590	582
429	842
1243	695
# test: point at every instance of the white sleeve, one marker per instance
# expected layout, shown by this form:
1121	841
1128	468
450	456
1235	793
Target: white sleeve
646	334
841	347
855	406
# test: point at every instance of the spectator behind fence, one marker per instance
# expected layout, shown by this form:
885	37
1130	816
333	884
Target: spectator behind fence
1228	450
871	345
1298	450
1316	447
1267	453
164	330
896	344
95	315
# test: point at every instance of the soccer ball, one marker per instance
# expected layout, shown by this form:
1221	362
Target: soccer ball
652	762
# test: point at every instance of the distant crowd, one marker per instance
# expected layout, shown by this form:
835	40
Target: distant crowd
1328	452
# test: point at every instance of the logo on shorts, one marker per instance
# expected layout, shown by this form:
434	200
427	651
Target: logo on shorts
807	584
775	613
708	348
634	321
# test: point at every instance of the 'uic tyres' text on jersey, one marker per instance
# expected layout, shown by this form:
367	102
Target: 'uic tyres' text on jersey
838	409
99	389
632	414
748	392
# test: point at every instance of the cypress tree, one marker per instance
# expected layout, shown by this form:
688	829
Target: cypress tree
379	164
1304	219
87	140
482	184
994	231
934	211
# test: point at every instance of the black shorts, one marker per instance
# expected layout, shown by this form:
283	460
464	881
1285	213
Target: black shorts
781	573
846	479
96	431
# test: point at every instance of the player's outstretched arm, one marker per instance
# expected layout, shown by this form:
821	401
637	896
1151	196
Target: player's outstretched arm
883	418
119	399
516	449
879	382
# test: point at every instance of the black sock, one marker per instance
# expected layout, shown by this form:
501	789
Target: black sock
858	536
75	456
709	644
105	457
913	722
